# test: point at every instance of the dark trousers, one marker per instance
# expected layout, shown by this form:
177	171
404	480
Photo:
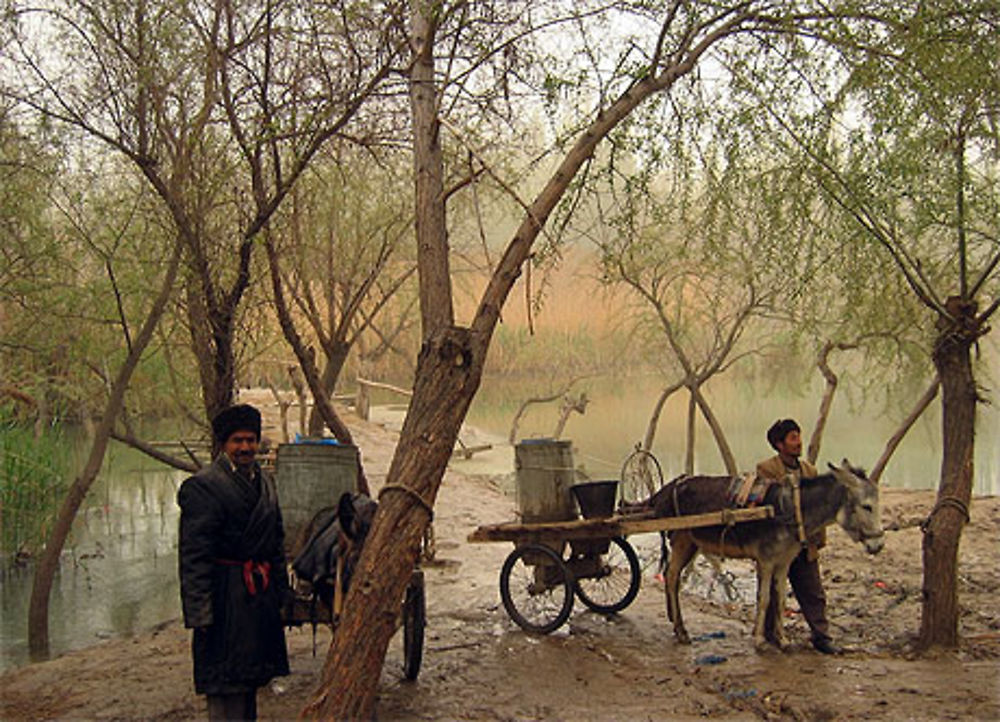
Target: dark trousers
240	706
807	585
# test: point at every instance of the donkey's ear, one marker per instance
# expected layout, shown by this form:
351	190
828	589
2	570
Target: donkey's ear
831	466
346	513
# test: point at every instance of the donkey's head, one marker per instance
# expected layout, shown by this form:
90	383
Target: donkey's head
859	516
355	514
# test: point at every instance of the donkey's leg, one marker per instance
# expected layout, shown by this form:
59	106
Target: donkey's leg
781	590
765	578
682	551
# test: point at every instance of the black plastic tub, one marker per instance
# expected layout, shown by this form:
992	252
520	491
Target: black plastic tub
596	499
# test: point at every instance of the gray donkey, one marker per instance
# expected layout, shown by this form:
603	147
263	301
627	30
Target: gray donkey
844	495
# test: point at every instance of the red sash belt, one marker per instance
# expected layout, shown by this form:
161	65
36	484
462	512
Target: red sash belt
249	567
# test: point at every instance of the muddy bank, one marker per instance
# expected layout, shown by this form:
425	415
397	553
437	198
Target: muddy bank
479	665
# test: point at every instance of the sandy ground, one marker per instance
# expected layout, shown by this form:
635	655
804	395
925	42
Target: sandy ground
478	665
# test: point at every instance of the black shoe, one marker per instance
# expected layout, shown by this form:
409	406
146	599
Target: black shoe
826	646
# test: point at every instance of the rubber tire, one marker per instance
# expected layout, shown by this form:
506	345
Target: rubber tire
567	585
633	587
414	624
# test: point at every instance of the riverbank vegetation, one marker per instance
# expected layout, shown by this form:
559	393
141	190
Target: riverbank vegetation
33	469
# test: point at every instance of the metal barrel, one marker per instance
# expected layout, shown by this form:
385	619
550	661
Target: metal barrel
545	474
311	476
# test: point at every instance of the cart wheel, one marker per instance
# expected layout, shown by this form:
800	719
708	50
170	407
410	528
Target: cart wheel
414	622
536	589
641	477
618	583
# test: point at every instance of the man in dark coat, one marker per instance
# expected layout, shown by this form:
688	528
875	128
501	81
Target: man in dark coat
232	570
784	436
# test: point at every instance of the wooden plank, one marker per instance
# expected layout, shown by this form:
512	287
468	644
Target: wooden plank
612	526
387	387
466	452
552	531
692	521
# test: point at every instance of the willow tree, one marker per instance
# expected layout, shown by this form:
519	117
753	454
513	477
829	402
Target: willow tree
342	255
934	213
219	107
905	146
38	304
696	313
708	241
114	273
450	42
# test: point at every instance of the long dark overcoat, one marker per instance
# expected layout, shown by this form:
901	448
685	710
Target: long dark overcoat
230	527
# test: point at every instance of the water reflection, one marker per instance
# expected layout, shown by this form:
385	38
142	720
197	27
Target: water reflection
118	574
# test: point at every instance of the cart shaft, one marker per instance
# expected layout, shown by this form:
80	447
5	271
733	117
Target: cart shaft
618	525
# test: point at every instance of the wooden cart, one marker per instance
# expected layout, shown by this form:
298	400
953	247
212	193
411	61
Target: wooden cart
553	562
309	608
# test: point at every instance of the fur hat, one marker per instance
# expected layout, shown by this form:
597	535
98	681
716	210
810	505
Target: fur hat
241	417
779	430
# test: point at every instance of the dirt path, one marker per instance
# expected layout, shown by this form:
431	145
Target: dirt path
479	665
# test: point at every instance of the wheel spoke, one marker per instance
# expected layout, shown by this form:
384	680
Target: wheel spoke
536	589
641	477
617	582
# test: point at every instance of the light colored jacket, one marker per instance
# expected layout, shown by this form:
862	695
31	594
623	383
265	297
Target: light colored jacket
774	468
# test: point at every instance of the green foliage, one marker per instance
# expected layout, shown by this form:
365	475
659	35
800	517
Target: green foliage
906	153
83	255
32	484
868	133
345	248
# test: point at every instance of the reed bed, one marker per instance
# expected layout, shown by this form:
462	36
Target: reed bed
32	484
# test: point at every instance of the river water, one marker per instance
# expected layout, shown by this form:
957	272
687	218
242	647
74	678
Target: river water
619	409
119	573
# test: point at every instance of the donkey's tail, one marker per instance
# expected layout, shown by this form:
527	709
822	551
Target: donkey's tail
664	554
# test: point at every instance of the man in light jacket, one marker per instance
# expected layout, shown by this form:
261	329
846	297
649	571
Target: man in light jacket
804	574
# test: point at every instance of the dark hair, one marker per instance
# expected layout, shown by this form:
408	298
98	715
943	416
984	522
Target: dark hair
241	417
779	430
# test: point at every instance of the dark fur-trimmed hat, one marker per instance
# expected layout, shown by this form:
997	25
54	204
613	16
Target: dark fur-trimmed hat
241	417
779	430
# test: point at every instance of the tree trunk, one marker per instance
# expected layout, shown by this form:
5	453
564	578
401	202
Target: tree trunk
328	380
943	528
512	436
691	428
447	378
569	405
129	439
201	344
823	362
654	418
212	315
223	367
436	310
890	447
211	341
48	563
295	374
718	434
283	405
